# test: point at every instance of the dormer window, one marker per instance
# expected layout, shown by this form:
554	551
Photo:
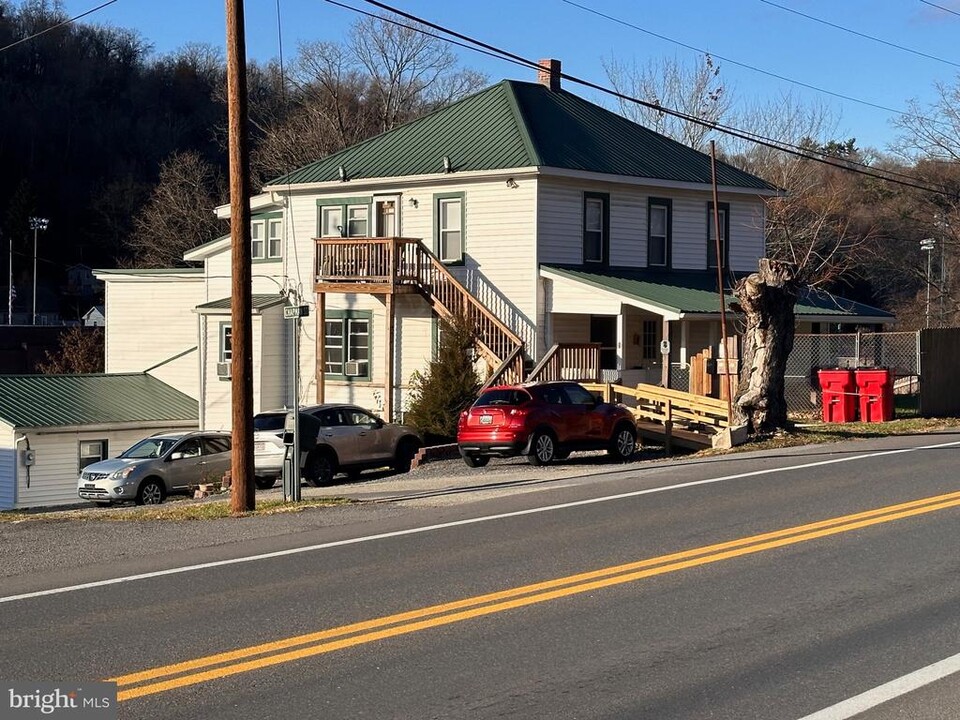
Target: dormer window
266	237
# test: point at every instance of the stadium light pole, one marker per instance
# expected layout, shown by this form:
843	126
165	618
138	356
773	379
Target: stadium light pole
36	224
927	245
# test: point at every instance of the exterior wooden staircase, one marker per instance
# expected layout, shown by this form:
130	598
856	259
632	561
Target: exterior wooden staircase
392	266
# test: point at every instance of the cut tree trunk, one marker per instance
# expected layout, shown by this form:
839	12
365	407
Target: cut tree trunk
767	299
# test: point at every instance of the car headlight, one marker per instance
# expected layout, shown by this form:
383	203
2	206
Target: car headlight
122	473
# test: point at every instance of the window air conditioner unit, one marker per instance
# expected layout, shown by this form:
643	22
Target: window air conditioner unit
223	369
353	368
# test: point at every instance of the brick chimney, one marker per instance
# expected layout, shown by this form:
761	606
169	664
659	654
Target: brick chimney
549	74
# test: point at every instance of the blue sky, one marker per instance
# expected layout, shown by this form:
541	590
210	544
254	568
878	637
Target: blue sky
751	32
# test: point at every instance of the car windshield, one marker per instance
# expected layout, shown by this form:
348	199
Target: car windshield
149	448
502	396
268	421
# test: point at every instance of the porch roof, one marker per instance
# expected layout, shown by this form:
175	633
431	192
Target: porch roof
222	306
675	295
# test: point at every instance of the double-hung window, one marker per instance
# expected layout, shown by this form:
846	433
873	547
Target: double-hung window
266	236
596	227
449	208
91	451
724	210
658	232
346	344
345	217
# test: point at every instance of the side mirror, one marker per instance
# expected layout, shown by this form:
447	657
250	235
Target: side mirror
377	423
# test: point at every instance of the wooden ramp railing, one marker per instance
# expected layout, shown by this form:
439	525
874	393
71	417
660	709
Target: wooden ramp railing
569	361
672	416
387	265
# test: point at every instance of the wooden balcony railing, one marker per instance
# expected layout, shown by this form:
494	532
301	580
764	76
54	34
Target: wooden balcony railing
386	264
569	361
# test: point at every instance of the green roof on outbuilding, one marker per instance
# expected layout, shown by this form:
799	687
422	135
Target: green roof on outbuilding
514	125
67	400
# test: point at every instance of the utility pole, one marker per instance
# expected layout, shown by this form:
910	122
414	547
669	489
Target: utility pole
727	360
36	224
242	498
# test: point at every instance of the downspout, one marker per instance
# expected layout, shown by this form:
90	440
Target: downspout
17	441
202	347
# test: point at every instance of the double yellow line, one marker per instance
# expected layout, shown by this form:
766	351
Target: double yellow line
255	657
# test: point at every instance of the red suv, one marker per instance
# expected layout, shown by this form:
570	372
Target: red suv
545	422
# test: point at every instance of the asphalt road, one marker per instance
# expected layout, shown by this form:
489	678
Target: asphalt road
772	585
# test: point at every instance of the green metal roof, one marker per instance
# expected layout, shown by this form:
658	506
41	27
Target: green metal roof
515	125
258	302
151	271
696	292
64	400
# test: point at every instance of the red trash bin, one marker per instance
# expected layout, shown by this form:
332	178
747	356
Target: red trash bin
839	395
875	388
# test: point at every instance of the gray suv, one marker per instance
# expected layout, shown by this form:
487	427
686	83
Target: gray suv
333	439
155	467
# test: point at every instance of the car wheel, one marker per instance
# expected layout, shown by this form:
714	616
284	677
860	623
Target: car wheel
623	443
543	449
150	492
264	482
406	451
320	469
476	461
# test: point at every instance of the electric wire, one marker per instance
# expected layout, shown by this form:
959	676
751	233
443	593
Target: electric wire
58	25
805	153
940	7
859	34
754	68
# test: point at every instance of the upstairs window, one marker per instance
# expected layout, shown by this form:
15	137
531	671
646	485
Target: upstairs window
344	217
596	227
266	236
449	227
724	210
226	342
658	232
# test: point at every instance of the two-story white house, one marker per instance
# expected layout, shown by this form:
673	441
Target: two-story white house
574	239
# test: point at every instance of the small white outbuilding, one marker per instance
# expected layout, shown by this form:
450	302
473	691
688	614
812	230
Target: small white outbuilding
52	426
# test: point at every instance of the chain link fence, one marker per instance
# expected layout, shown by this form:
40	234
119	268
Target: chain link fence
898	351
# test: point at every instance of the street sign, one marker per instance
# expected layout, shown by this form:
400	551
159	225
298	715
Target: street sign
292	312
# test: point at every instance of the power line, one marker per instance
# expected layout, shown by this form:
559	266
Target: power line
58	25
940	7
747	66
756	138
859	34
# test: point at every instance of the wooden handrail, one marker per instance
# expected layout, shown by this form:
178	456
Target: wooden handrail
666	405
578	356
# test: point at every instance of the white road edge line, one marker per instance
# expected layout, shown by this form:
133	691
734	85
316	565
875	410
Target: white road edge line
888	691
456	523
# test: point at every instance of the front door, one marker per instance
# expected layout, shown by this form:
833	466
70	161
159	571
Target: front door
603	330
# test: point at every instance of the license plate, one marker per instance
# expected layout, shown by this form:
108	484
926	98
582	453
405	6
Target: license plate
486	419
259	446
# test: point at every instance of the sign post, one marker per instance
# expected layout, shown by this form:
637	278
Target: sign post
291	475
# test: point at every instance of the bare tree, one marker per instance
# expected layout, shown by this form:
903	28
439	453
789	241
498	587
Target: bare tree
695	90
80	351
179	214
342	93
931	132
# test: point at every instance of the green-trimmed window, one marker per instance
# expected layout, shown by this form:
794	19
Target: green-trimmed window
226	342
266	236
724	209
449	227
90	451
659	220
346	349
344	217
596	227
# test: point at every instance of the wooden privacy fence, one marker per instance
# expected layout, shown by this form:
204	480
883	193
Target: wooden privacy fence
671	416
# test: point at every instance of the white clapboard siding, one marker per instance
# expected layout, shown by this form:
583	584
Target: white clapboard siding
149	320
747	244
275	336
217	399
628	229
53	477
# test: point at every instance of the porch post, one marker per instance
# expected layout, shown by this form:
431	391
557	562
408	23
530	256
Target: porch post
622	339
665	367
321	345
684	340
388	361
